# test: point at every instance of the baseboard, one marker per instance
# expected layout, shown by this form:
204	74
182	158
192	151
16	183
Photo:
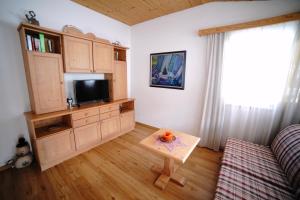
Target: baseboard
146	125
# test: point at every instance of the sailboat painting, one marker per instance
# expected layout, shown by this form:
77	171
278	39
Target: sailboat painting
167	69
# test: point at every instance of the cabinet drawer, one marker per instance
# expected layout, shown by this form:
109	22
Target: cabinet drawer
86	113
108	115
85	121
109	108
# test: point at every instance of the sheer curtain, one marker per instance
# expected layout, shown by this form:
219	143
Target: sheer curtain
257	87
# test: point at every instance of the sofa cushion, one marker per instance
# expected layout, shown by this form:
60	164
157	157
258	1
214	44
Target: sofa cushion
251	171
237	185
286	148
255	160
247	150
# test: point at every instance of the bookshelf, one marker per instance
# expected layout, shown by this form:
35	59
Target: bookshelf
41	41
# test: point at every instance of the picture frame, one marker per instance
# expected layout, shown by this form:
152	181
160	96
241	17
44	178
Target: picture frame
167	69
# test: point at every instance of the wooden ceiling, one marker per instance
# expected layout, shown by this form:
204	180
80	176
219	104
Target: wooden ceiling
136	11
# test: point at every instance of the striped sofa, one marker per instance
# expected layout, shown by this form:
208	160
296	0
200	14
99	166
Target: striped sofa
251	171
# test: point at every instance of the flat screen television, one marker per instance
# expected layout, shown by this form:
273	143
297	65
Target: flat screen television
91	91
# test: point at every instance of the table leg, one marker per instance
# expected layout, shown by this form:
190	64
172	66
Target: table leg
167	174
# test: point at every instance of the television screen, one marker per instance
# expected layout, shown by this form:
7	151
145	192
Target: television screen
91	91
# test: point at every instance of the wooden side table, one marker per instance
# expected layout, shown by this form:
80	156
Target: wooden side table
178	154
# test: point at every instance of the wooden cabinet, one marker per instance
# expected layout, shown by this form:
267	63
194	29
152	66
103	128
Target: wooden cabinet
120	80
87	135
78	55
46	82
110	128
127	121
55	147
103	58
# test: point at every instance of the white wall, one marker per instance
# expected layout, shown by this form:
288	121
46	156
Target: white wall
181	109
54	14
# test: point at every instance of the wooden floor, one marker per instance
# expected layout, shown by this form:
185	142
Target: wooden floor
119	169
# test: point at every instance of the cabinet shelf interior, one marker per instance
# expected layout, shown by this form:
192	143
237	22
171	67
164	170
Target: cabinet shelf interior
53	39
51	126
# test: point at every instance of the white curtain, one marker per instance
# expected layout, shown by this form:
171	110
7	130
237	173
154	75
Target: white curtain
253	84
212	110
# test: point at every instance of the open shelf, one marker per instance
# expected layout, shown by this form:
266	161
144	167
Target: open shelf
127	106
50	130
47	127
119	54
36	39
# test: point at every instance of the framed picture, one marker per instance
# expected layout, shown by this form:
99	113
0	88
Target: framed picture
167	70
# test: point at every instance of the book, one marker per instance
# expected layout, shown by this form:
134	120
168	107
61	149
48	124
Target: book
42	42
47	45
29	42
37	44
50	46
33	44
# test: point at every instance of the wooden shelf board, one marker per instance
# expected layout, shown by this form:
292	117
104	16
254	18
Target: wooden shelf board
48	131
43	53
126	111
34	117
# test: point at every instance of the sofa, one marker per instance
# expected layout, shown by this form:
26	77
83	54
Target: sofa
252	171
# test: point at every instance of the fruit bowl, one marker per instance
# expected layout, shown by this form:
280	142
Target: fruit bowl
167	137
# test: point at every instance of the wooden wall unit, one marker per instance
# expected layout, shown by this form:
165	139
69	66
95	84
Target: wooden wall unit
78	54
57	134
60	135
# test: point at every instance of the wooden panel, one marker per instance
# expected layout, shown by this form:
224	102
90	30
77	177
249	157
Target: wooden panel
109	114
86	135
110	128
120	80
109	108
103	58
85	113
47	82
85	121
127	121
133	11
78	55
251	24
55	147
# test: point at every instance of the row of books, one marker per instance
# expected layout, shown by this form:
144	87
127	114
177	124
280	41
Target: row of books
40	43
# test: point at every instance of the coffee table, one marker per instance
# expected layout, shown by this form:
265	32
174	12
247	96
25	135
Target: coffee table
178	154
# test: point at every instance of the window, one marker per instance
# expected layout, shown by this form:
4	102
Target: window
256	64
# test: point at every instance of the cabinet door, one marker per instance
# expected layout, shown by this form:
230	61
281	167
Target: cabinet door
47	82
78	55
127	121
120	80
86	136
103	58
55	147
110	128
